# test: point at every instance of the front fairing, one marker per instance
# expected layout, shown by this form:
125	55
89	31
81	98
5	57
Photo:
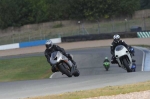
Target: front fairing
106	63
55	57
122	52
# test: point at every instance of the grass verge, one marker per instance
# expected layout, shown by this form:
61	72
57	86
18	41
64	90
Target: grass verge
24	69
106	91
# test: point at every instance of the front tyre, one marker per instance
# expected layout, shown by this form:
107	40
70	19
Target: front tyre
63	67
77	73
125	63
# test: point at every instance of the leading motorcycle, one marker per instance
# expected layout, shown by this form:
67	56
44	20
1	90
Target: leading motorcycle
63	64
123	57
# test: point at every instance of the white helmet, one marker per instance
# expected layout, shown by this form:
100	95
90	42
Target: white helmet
49	44
116	37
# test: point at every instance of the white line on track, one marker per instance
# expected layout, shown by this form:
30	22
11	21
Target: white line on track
143	61
52	75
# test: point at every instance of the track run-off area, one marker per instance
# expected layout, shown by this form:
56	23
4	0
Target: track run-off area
89	56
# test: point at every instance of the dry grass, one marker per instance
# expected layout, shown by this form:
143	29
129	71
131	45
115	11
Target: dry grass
106	91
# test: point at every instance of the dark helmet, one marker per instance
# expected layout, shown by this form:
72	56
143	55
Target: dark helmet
49	44
116	37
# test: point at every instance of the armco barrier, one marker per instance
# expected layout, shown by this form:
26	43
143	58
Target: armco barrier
32	43
9	46
37	43
98	36
143	34
28	44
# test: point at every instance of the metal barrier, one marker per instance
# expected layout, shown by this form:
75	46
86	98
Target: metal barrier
143	34
28	44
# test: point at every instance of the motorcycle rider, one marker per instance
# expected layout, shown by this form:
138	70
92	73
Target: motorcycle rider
106	59
50	48
116	41
106	63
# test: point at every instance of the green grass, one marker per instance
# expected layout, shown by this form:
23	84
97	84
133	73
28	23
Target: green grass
24	69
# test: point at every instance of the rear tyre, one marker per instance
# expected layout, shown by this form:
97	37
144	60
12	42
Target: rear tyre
106	68
63	67
133	70
125	63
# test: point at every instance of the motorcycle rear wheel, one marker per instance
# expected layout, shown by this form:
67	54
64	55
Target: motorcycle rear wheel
106	67
133	69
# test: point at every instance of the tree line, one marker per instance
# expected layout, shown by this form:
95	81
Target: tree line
145	4
20	12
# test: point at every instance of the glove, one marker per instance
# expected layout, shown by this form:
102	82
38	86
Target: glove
69	56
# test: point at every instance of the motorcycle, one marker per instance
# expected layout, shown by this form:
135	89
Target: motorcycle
63	64
123	57
106	65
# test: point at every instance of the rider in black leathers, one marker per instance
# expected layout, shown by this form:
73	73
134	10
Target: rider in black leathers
50	48
115	43
106	59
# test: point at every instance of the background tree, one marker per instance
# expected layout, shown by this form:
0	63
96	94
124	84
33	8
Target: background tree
145	4
21	12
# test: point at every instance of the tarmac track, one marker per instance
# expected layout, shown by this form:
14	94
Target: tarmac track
93	75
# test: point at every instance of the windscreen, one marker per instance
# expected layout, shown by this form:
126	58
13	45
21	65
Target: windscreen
54	54
119	47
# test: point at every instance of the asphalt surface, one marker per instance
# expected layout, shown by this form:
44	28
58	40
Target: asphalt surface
90	62
93	75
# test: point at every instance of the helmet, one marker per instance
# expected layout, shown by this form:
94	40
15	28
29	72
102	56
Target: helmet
106	57
116	37
49	44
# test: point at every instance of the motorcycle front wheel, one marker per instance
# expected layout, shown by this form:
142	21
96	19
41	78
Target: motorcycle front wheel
77	73
64	68
126	65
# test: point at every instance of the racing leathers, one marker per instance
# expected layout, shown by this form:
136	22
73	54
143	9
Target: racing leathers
106	60
53	49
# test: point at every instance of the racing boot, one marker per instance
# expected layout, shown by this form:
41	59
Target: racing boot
113	60
133	60
54	69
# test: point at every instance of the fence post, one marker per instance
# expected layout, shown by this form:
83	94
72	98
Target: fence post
98	26
44	36
79	26
144	23
112	25
125	25
19	37
13	38
29	37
